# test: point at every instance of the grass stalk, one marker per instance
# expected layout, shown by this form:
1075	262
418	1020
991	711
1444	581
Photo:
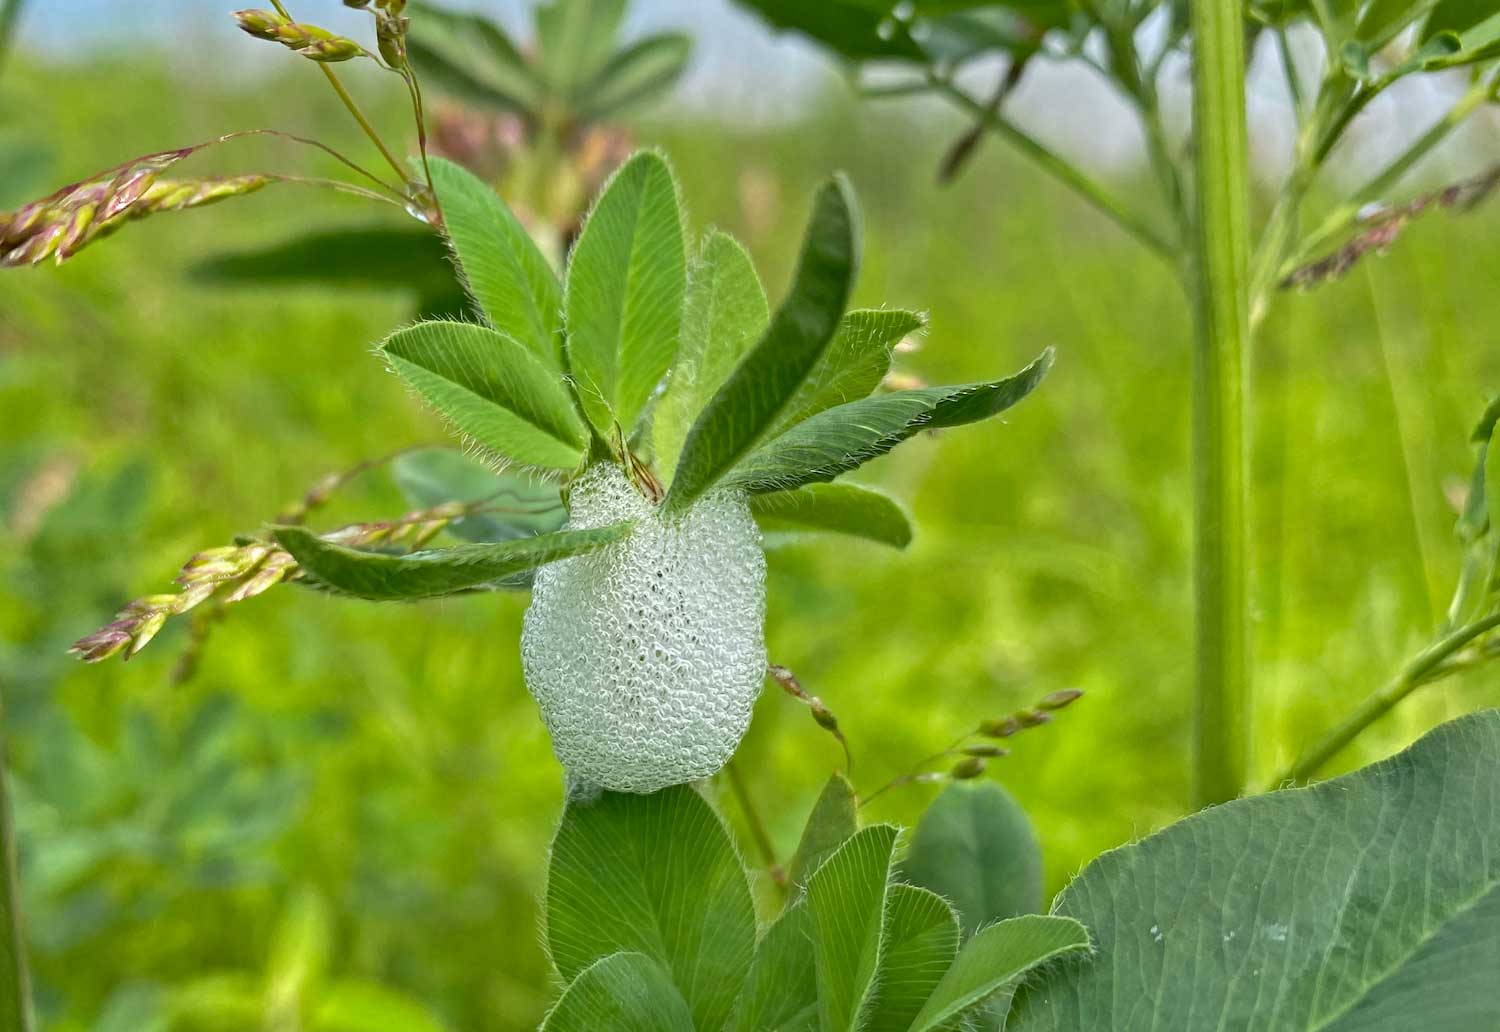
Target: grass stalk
15	981
10	15
1221	278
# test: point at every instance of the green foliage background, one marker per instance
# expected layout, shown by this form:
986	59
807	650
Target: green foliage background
388	757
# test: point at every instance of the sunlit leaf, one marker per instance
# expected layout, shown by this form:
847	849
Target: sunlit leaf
1369	902
853	364
623	992
624	293
834	820
836	509
516	506
921	938
996	957
381	576
781	990
846	898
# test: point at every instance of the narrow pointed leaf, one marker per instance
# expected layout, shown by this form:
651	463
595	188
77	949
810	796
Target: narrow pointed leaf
833	821
655	874
443	571
623	992
724	313
844	438
624	293
837	509
976	849
997	956
471	58
492	389
574	38
1367	903
747	405
852	367
921	938
781	990
643	70
846	897
509	278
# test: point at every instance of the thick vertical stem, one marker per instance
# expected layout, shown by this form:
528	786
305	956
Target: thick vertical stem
1221	301
15	982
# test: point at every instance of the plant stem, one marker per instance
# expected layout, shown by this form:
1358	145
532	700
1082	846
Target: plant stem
1222	660
10	14
1060	169
1424	668
15	980
757	826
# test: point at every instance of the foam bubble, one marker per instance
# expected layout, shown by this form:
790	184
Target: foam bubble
647	656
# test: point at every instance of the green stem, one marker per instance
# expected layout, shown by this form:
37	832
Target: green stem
1222	660
757	826
1424	668
1060	169
10	14
15	980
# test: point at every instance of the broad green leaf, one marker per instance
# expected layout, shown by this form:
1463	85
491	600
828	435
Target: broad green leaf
852	366
381	257
492	389
655	874
846	898
843	438
643	70
351	1006
1368	902
975	848
834	820
846	26
510	279
724	312
781	991
623	992
471	57
836	508
624	293
748	403
575	37
921	938
382	577
516	505
996	957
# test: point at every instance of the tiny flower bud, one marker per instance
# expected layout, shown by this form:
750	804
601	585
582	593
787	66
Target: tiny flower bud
991	751
1004	727
823	715
328	51
967	769
1058	699
260	24
1033	718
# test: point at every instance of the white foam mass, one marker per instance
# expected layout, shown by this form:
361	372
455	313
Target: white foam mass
647	655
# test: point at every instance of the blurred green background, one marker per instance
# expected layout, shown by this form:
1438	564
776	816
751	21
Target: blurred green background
364	794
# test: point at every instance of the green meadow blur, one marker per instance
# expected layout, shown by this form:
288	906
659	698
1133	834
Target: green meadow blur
352	794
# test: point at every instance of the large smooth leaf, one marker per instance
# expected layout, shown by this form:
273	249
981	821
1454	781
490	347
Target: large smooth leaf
853	364
492	389
655	874
781	991
833	821
921	939
847	436
624	293
643	70
1369	902
505	272
623	992
835	508
724	313
383	577
846	898
995	958
747	405
975	848
471	57
516	505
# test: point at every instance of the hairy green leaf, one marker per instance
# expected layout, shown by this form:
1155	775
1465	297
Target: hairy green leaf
836	508
491	388
516	505
575	37
624	293
656	874
383	577
846	898
781	991
975	848
724	312
1369	902
995	957
746	406
643	70
852	366
834	819
921	938
843	438
470	57
510	279
623	992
